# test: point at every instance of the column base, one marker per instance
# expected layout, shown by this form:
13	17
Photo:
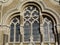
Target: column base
21	43
6	44
56	43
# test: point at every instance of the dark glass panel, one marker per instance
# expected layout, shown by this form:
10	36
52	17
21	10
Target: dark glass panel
30	8
27	31
34	17
17	31
46	35
35	13
27	13
14	20
51	32
27	17
12	33
31	19
36	34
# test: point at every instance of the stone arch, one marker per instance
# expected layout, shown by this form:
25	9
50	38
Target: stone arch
8	16
40	4
43	8
55	30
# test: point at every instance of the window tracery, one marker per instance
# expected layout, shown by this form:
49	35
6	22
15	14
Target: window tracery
15	30
48	31
32	27
31	17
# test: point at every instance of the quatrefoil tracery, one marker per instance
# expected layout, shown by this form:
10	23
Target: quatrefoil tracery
31	14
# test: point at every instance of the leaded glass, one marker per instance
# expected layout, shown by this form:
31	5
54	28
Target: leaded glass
27	31
15	30
46	37
12	32
48	30
31	25
51	32
36	34
14	20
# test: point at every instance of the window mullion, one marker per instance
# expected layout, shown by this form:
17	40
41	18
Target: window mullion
14	33
31	36
48	34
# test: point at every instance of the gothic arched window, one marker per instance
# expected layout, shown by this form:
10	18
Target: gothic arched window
48	35
31	23
15	30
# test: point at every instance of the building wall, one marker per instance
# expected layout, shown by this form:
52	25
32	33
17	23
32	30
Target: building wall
15	6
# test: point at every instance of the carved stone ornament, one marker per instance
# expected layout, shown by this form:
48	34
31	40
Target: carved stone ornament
6	2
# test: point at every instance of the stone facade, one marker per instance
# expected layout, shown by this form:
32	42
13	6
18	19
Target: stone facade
11	8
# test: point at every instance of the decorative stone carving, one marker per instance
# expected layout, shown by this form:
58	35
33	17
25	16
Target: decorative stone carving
5	29
6	2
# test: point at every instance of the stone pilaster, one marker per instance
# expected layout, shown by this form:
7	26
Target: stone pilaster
59	38
58	29
5	32
1	36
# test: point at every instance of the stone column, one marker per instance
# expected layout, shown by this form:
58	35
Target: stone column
22	34
1	32
58	29
41	29
1	36
59	38
5	31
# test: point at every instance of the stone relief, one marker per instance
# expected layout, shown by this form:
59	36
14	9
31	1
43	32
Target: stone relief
6	2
